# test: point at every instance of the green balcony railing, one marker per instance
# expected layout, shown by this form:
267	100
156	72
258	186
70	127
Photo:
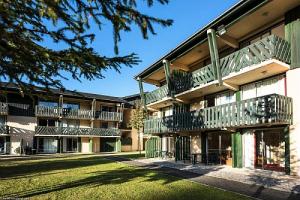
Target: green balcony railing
77	114
109	116
47	111
4	129
269	109
3	108
271	47
157	94
65	131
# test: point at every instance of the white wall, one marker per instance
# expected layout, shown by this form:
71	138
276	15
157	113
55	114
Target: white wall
21	128
293	92
85	145
248	149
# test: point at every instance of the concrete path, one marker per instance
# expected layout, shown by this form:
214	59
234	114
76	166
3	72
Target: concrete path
254	191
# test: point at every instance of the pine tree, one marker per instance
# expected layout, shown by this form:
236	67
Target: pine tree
25	25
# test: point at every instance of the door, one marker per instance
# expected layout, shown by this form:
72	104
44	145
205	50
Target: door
270	150
2	145
107	144
71	144
47	145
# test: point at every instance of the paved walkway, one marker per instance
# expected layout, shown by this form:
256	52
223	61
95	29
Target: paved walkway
253	183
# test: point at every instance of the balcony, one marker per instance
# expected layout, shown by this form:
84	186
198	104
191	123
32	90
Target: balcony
157	95
77	114
265	110
109	116
44	111
4	129
3	108
264	58
72	131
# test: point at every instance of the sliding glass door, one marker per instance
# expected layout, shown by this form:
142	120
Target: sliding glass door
270	150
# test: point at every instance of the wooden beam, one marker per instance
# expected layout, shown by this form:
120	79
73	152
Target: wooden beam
181	101
152	81
229	40
214	54
231	86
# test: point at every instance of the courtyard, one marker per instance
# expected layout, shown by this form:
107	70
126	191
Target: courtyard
95	177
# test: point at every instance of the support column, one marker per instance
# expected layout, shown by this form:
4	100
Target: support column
168	77
292	35
214	55
143	97
287	150
237	150
91	145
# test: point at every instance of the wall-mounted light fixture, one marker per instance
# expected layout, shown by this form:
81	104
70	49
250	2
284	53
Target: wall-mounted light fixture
221	30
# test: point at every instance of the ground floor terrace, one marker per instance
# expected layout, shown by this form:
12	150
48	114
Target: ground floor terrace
266	148
69	144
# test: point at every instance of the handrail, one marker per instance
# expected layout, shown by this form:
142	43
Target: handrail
266	109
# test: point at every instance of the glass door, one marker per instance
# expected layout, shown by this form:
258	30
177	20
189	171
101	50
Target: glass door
270	150
71	144
2	145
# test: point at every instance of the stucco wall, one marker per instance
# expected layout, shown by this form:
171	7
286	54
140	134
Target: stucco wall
85	124
293	91
96	144
85	145
196	144
21	128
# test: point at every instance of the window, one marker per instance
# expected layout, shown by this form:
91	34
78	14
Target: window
48	122
48	104
107	109
71	106
264	87
104	125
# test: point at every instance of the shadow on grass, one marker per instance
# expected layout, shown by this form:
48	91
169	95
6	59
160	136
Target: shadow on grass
109	177
26	169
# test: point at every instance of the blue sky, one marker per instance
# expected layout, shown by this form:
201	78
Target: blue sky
188	15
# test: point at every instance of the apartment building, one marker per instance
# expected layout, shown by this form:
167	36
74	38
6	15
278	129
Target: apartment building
229	95
63	121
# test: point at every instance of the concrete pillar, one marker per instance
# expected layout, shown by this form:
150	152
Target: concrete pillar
292	78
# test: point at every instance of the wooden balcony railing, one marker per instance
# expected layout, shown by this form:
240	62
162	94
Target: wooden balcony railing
109	116
4	129
271	47
3	108
157	94
269	109
65	131
77	113
47	111
44	111
20	109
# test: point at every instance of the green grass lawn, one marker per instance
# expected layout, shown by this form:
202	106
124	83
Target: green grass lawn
93	177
